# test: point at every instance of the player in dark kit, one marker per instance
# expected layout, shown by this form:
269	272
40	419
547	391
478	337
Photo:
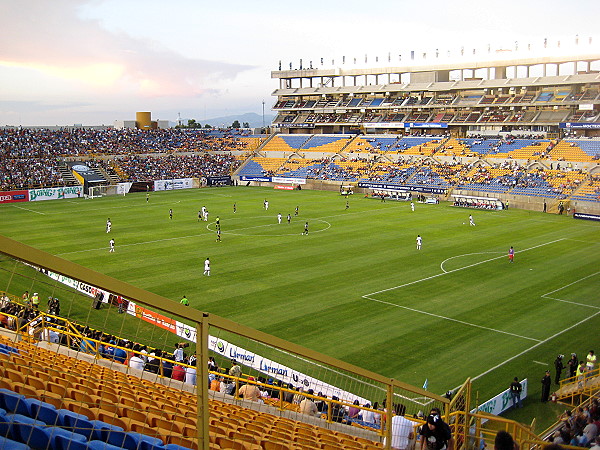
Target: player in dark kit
296	211
219	234
289	219
171	214
305	228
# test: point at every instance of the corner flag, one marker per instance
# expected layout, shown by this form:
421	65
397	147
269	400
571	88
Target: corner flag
426	383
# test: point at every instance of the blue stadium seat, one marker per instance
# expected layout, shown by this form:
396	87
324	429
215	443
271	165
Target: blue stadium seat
43	411
9	444
101	445
127	440
13	402
41	437
175	447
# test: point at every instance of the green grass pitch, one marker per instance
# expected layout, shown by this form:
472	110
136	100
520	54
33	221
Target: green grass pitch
356	287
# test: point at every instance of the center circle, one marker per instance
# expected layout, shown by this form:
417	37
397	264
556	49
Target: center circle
272	228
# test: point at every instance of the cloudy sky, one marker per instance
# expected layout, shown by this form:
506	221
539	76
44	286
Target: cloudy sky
95	61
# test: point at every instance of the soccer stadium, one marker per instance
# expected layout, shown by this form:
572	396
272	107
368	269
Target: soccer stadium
406	254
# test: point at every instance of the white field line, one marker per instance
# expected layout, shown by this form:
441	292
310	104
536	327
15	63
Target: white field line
570	284
450	319
460	256
540	363
547	295
283	224
545	340
192	236
460	268
30	210
135	243
535	346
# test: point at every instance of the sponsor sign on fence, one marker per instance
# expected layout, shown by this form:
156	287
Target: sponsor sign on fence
14	196
254	178
218	345
55	193
427	190
288	180
78	285
176	183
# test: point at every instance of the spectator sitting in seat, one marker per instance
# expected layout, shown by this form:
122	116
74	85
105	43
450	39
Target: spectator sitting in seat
250	391
308	406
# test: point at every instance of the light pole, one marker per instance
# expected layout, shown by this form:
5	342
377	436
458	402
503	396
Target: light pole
263	104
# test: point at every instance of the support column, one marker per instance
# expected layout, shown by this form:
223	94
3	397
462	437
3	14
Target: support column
202	386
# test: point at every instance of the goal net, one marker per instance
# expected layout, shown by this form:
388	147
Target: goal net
101	191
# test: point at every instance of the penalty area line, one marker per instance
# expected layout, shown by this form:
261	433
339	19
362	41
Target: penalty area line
30	210
462	322
460	268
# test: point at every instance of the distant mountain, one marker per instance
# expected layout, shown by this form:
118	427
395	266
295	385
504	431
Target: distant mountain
253	119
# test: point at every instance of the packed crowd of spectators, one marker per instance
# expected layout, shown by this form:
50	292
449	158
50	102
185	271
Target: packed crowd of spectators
29	173
164	167
580	427
81	142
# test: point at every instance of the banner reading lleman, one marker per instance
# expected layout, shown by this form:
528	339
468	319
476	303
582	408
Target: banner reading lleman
228	350
244	357
55	193
176	183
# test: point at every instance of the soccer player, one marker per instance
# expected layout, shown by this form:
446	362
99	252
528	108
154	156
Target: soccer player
296	211
218	234
206	215
412	206
108	225
511	254
347	204
199	216
218	223
419	241
111	244
305	229
471	223
289	219
207	267
170	214
266	205
147	197
203	211
279	218
234	208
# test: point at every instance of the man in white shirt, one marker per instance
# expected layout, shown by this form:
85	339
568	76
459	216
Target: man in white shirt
207	267
402	429
135	362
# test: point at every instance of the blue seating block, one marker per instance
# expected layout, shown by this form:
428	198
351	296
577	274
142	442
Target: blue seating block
13	402
9	444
